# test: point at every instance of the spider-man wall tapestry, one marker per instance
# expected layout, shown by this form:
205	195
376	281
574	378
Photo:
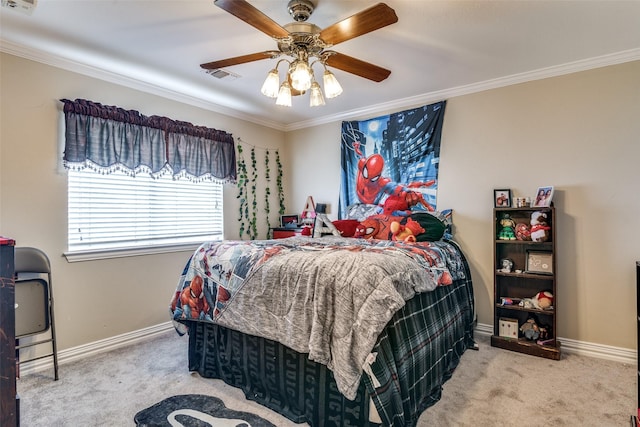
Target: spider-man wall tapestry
393	155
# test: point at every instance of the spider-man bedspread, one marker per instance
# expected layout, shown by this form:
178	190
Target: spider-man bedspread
330	297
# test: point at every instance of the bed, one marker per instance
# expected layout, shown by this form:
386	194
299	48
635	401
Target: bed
331	330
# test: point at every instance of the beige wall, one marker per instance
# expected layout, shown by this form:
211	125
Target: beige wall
578	132
94	299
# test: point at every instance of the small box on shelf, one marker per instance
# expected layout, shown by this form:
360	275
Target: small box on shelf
508	328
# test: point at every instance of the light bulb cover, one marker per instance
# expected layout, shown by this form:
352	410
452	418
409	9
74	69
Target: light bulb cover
271	84
284	95
301	75
331	86
315	97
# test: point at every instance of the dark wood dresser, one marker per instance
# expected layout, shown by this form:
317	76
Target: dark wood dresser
8	395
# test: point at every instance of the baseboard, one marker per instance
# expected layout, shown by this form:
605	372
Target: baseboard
599	351
96	347
583	348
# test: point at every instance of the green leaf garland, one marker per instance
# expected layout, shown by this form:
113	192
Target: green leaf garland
267	191
279	184
248	216
242	193
254	200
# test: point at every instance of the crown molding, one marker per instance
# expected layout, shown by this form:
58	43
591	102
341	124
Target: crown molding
48	58
431	97
377	109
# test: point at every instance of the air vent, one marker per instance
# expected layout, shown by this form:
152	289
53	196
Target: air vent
219	73
24	6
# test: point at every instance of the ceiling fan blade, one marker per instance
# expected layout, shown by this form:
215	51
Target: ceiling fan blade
357	67
368	20
239	60
245	11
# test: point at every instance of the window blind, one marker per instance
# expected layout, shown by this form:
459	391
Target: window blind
111	211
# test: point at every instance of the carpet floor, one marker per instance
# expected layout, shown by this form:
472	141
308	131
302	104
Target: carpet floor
491	387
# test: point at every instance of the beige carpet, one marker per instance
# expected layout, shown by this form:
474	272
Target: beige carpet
491	387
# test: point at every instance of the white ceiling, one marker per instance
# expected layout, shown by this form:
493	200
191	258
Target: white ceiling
437	49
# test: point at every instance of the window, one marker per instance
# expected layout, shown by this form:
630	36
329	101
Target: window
109	212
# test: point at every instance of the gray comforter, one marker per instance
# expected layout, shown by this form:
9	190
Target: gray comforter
328	297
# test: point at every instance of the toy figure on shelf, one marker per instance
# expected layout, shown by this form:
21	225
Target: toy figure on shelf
507	265
530	329
539	227
507	226
523	232
540	301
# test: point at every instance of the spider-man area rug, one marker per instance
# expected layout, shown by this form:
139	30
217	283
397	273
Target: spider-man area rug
196	410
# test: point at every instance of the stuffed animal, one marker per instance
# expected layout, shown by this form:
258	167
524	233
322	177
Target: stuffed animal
507	225
540	301
522	231
539	227
543	300
530	329
406	233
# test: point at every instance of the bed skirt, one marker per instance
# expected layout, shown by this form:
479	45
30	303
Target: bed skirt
275	376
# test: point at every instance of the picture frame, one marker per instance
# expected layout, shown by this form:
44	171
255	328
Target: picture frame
502	198
539	262
543	197
508	328
289	221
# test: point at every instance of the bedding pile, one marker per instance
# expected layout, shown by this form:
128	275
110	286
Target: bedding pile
329	297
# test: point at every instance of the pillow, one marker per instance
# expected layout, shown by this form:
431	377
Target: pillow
346	227
446	216
433	226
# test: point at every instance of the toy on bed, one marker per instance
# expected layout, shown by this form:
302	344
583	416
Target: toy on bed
539	227
406	232
418	227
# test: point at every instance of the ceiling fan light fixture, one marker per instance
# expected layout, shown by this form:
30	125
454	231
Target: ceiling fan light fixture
302	42
315	97
301	75
284	95
331	86
271	84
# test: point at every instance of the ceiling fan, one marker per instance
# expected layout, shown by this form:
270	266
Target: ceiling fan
303	41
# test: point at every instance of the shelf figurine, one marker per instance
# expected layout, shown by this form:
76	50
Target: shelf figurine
530	329
539	227
507	265
507	226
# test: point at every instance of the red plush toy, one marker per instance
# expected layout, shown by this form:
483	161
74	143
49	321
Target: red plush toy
406	233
